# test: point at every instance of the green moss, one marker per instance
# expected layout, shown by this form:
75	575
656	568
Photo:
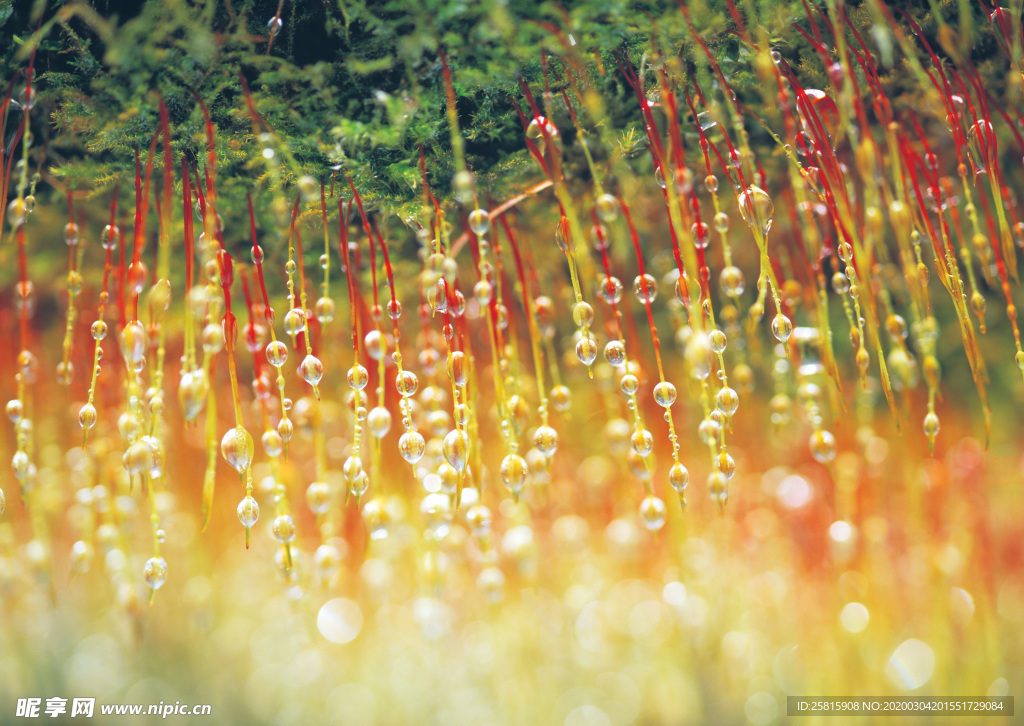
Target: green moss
358	83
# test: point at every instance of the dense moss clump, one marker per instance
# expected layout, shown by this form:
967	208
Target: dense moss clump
359	83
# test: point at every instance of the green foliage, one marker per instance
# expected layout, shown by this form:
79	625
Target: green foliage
355	86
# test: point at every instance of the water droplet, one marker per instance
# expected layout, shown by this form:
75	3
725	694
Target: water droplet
272	442
678	477
718	488
436	511
642	442
726	465
823	446
513	473
139	459
782	328
110	237
607	208
646	288
664	394
376	344
14	410
561	398
652	512
284	528
545	439
87	416
357	377
71	234
133	342
16	212
701	235
583	314
255	336
455	448
480	222
610	290
478	517
295	321
615	353
312	370
483	292
248	512
137	276
586	351
21	465
717	340
698	355
379	420
324	310
709	431
541	131
192	390
757	209
826	111
155	572
238	448
377	518
318	497
411	446
406	383
659	177
705	120
213	338
727	401
981	144
457	368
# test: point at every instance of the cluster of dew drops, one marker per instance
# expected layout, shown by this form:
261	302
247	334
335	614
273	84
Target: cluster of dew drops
444	443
